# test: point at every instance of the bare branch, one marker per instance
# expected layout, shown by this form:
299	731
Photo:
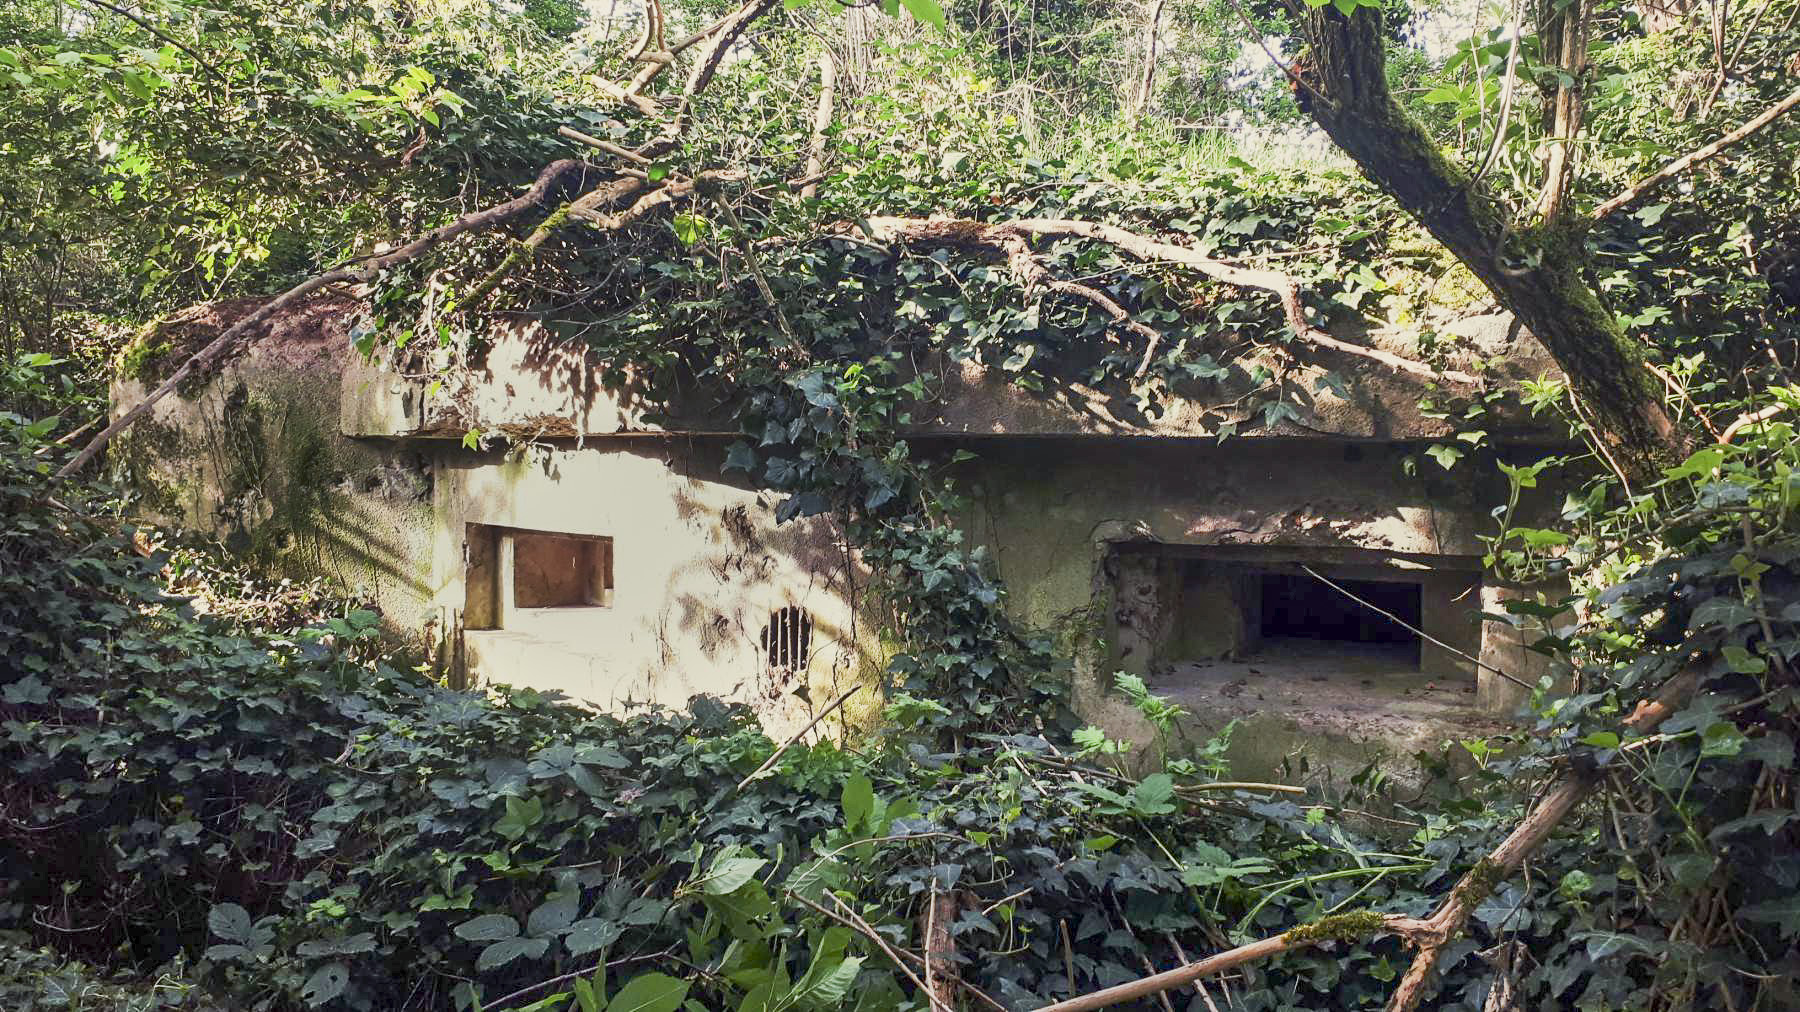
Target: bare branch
1636	191
1753	418
1429	935
1012	238
1433	933
555	179
153	30
604	145
815	157
769	763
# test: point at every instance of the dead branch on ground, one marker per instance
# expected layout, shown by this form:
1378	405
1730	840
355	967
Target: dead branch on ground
1429	935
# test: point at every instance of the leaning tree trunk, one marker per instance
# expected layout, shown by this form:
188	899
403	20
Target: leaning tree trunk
1536	274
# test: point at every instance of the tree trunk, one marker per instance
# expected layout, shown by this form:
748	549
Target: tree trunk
1537	276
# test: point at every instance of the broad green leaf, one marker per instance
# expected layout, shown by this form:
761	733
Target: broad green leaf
554	915
505	951
1744	662
858	800
587	997
1151	797
689	228
591	934
230	922
925	11
830	986
325	983
650	992
728	874
488	928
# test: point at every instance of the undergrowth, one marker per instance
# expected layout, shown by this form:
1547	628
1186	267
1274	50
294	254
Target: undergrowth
273	798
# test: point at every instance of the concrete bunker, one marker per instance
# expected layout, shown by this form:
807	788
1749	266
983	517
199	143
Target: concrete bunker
502	561
1354	630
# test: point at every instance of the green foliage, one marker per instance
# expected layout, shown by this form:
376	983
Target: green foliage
282	800
39	980
319	827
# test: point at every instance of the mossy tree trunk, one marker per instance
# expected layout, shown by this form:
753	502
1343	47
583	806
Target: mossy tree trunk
1537	274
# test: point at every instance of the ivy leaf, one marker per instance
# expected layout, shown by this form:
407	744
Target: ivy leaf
520	816
598	755
589	782
739	455
1721	611
1744	662
326	983
1446	456
1721	740
1784	913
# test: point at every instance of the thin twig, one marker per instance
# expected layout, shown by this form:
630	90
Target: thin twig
153	30
607	146
906	954
1422	634
863	927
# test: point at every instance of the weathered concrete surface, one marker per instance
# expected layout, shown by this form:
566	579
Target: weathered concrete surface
699	568
1090	537
527	385
1375	402
253	456
1337	706
355	468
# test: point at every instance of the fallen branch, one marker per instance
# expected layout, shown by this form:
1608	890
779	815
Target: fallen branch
1753	418
550	184
862	927
1428	935
852	920
770	762
1012	239
1639	189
